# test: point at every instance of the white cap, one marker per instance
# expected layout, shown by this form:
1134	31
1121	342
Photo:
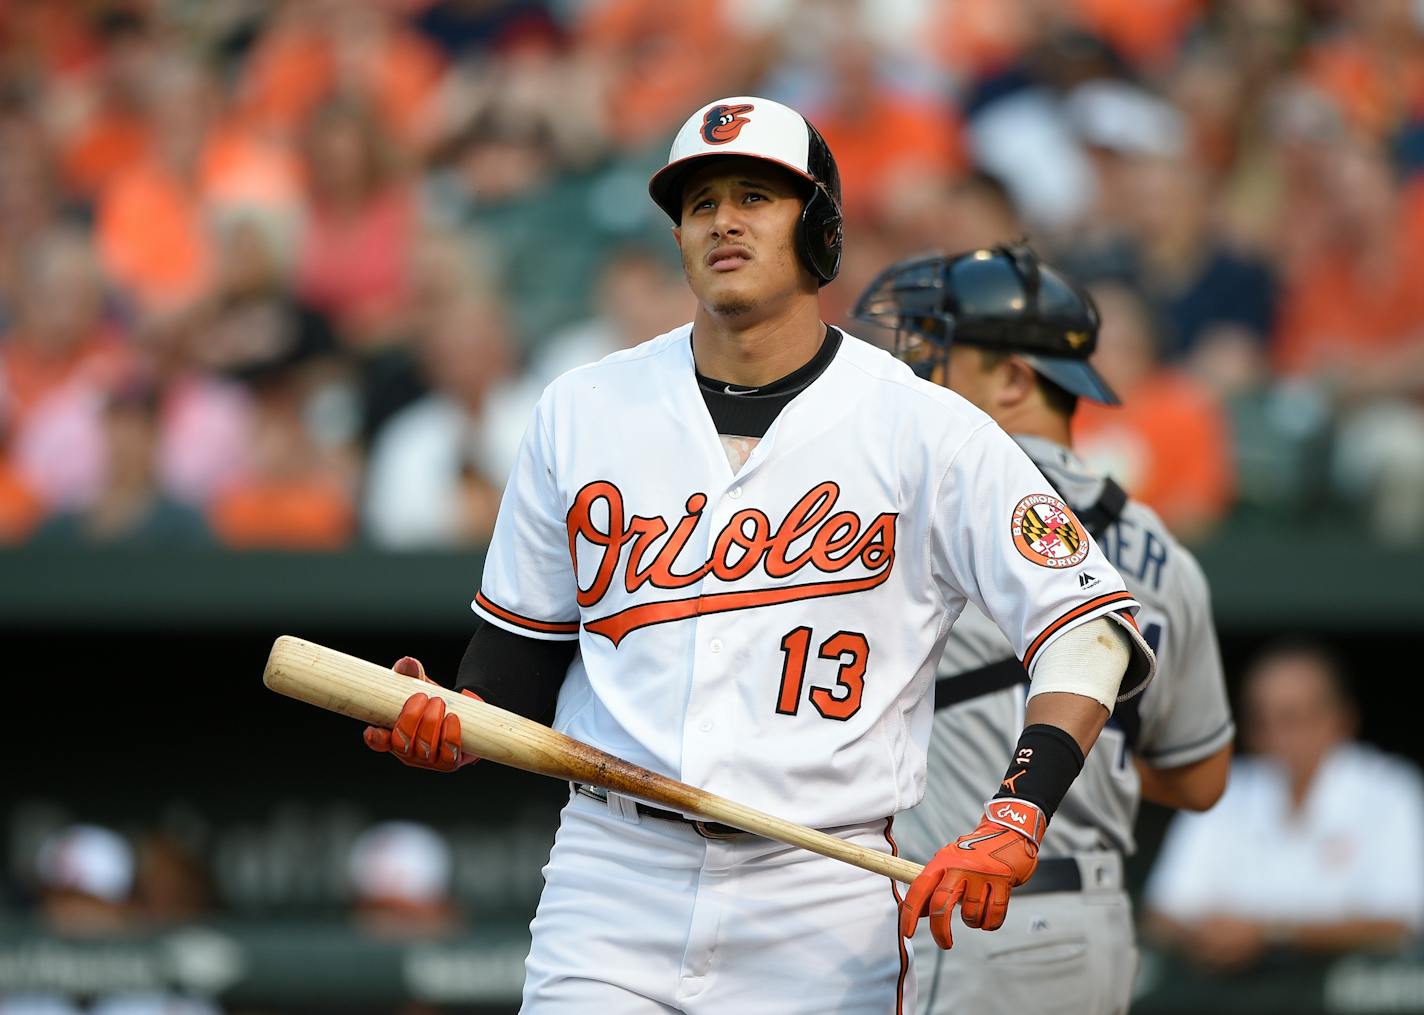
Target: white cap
1125	118
742	125
400	860
88	859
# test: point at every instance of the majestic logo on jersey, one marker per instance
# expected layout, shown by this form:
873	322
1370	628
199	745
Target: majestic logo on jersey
724	123
811	539
1046	532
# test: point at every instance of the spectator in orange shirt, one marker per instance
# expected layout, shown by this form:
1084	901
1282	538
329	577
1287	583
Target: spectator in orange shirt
1354	306
1373	65
656	59
360	226
152	220
1169	443
317	50
100	115
295	489
881	137
1353	328
296	497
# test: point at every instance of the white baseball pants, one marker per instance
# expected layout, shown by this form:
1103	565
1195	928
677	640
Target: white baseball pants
644	916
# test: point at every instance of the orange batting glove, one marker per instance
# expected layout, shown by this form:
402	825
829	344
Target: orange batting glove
424	735
976	871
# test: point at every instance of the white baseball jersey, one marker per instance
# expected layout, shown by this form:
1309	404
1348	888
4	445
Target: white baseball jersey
769	632
1184	717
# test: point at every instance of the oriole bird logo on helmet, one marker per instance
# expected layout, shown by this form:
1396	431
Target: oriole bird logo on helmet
723	123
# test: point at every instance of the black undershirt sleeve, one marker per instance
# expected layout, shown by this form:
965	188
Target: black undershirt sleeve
519	674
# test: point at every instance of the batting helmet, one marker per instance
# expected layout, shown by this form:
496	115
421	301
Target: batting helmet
750	127
1003	298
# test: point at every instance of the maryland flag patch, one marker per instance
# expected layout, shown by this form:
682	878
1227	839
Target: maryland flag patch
1046	532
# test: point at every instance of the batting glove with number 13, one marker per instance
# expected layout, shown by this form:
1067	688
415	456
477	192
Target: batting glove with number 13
977	871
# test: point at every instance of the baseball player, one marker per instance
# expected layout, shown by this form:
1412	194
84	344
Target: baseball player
1013	336
757	530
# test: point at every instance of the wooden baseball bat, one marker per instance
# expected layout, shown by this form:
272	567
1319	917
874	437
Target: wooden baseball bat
374	694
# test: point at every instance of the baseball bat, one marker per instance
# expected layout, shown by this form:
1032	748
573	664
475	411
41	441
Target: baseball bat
375	694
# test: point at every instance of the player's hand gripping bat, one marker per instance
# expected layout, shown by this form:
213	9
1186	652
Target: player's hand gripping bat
374	694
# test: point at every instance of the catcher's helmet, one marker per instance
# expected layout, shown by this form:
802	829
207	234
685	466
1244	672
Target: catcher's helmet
1002	298
756	128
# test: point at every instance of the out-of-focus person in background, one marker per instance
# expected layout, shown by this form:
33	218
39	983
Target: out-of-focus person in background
435	474
355	254
1353	328
152	219
172	883
298	491
1317	845
130	505
882	134
1169	443
969	212
401	881
648	59
29	198
99	114
56	362
313	51
85	876
1216	304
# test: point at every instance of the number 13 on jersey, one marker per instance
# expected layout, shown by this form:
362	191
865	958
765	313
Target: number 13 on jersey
841	702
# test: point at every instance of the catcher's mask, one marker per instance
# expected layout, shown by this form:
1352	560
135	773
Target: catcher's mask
1002	298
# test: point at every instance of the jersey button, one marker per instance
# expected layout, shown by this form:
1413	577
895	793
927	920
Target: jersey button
715	644
735	493
705	726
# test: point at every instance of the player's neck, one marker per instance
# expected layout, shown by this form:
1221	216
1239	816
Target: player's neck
750	352
1029	420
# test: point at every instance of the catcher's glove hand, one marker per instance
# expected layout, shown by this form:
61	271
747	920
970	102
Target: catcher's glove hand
424	735
977	871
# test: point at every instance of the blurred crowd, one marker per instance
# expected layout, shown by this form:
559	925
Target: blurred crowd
292	274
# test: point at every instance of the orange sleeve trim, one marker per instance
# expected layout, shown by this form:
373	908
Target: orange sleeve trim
484	602
1072	615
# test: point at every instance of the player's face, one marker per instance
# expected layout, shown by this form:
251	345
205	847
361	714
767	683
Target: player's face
737	236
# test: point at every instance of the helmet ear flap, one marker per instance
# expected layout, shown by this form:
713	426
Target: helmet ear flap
821	235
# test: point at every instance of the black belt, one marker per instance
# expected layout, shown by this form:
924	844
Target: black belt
707	829
1053	874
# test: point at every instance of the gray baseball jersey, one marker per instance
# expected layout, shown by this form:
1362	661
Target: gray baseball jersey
1182	717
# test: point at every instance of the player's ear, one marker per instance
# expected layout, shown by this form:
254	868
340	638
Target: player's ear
1017	381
